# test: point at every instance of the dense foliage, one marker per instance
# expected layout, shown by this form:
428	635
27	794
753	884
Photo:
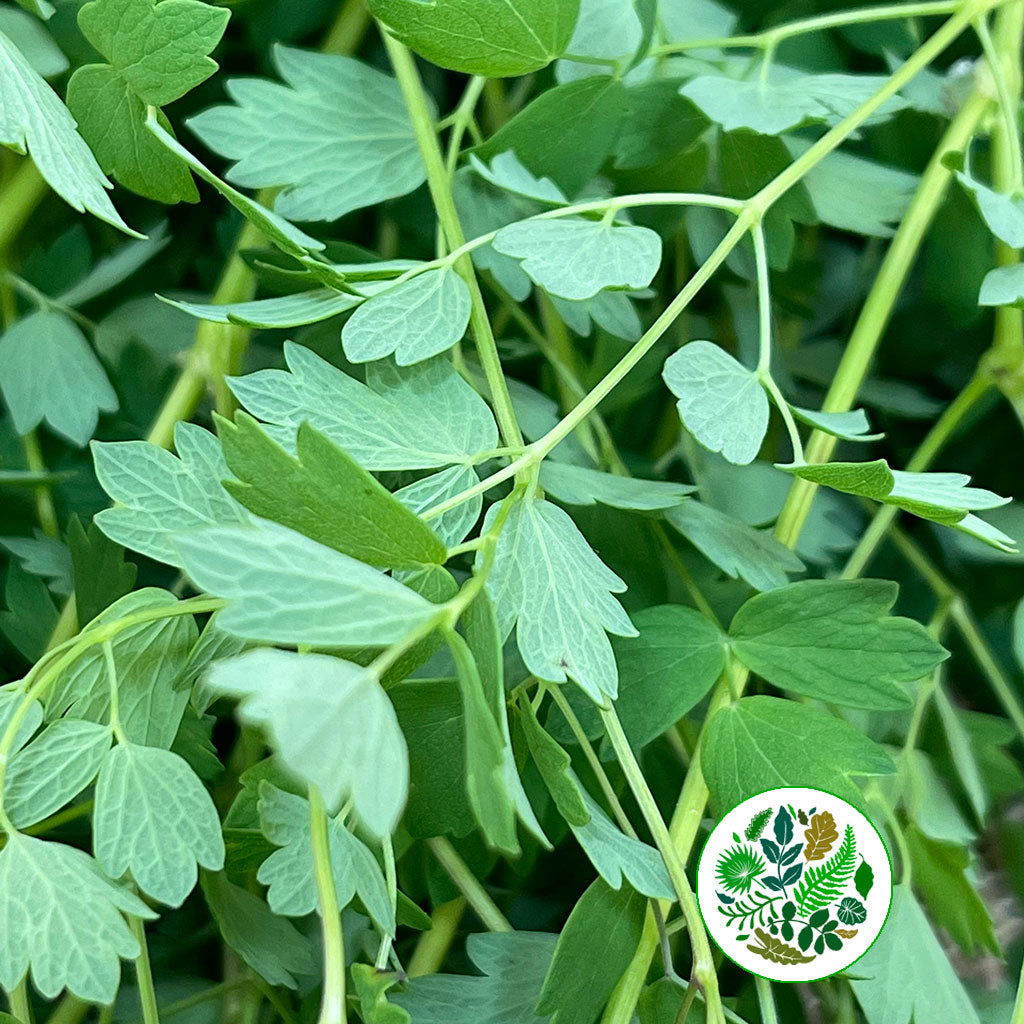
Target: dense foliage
474	446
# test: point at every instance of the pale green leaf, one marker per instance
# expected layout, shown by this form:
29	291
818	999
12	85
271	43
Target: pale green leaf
847	426
737	549
49	373
61	916
419	417
497	38
150	659
330	722
324	495
285	588
453	525
581	485
514	965
336	137
53	769
906	974
413	320
288	871
11	698
834	640
506	171
789	99
617	856
160	495
280	311
34	120
576	258
34	42
721	402
269	944
1003	214
548	583
1003	286
762	742
155	820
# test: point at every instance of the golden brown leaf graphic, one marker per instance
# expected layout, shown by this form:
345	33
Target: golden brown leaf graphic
777	951
820	836
846	933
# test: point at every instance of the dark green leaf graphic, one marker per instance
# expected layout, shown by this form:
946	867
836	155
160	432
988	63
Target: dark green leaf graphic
864	879
758	823
851	911
783	827
823	884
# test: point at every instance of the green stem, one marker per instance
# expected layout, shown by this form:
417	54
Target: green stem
440	190
704	974
144	973
433	945
766	1000
466	882
867	333
935	440
332	1005
18	200
1018	1005
21	1005
45	509
70	1010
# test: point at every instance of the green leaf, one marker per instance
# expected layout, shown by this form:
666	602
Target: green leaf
31	614
553	763
940	870
617	856
270	945
721	402
513	964
33	120
156	53
603	932
11	697
154	819
63	918
581	485
150	659
336	136
941	497
566	133
330	722
576	258
285	588
789	99
431	718
372	987
53	769
421	417
520	35
547	581
453	525
324	495
49	373
667	670
864	879
737	549
1003	286
906	975
834	640
34	42
761	742
288	871
643	140
413	320
101	574
160	495
1003	214
280	311
43	556
847	426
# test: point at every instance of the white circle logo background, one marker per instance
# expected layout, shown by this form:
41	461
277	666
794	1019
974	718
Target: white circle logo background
754	869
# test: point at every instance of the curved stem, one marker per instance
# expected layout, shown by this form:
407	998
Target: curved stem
466	882
332	1005
19	198
433	945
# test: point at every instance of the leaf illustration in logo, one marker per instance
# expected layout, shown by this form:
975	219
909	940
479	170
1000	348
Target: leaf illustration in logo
783	827
864	879
821	836
823	884
738	867
846	933
776	950
801	816
851	911
758	823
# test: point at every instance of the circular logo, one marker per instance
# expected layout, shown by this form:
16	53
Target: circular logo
794	884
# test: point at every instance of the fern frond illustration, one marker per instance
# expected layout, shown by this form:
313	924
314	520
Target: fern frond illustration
738	867
745	912
757	824
820	886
